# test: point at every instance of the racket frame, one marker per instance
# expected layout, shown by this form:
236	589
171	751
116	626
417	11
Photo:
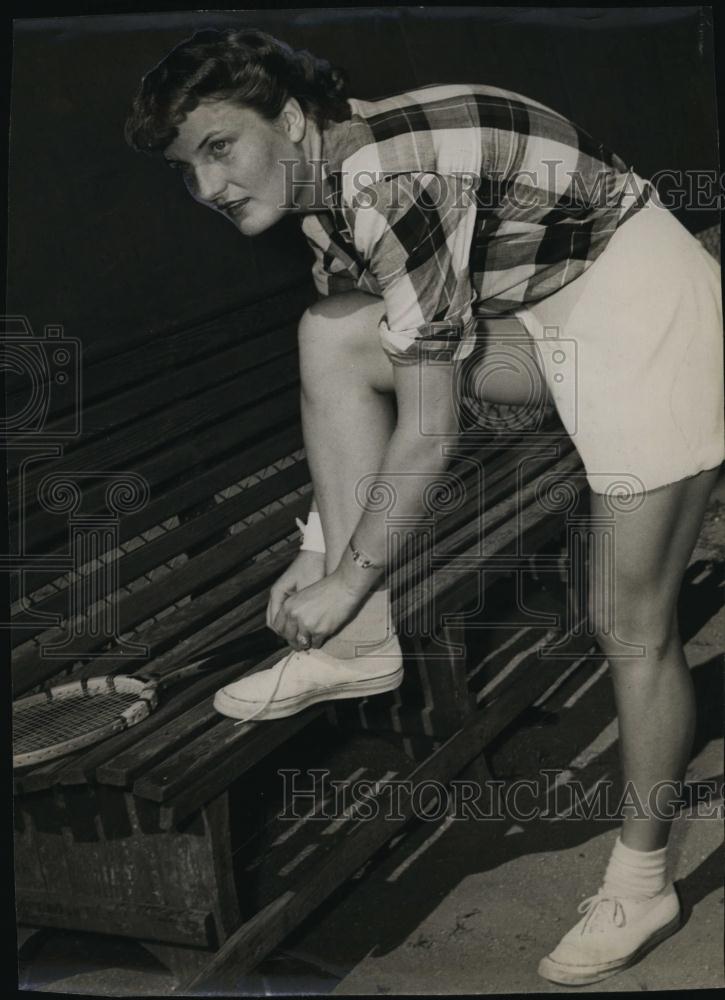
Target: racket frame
146	684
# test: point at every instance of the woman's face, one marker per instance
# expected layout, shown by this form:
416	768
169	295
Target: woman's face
230	158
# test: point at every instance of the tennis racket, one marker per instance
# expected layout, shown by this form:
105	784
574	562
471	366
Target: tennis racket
80	713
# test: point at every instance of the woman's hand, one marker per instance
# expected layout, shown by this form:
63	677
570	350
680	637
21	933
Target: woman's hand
316	613
307	568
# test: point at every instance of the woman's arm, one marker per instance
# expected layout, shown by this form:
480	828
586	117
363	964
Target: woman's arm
415	456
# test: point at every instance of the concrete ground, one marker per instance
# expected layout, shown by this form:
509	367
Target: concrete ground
468	906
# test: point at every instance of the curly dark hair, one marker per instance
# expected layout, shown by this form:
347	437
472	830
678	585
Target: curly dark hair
245	66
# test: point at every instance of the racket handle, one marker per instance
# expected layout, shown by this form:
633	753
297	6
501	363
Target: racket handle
262	640
255	643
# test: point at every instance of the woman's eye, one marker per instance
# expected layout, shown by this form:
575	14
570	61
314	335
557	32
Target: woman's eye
219	145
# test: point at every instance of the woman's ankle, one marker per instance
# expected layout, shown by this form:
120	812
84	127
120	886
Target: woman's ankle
371	626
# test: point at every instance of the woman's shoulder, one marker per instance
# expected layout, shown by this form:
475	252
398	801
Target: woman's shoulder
432	129
442	104
439	128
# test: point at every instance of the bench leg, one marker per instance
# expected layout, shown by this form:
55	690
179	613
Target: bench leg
30	943
183	963
95	858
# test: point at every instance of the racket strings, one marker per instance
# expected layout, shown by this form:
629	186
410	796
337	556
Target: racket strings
52	722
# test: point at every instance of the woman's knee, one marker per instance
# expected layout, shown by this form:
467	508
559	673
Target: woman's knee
345	315
339	335
620	617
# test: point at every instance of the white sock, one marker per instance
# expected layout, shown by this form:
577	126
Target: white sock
635	874
372	625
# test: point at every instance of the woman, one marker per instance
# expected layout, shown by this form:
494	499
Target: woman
424	211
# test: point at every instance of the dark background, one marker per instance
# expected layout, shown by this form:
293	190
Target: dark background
107	241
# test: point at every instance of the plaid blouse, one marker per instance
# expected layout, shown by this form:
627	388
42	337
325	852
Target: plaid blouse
458	201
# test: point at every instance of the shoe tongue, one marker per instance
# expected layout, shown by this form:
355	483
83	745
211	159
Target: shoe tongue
603	912
602	917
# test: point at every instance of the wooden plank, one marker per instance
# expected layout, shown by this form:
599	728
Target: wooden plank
39	780
445	669
45	824
217	830
418	722
501	530
174	423
27	869
79	767
28	671
537	525
242	752
135	357
211	618
170	496
141	399
126	874
399	714
229	747
190	534
194	576
162	743
242	617
468	544
460	527
167	782
188	925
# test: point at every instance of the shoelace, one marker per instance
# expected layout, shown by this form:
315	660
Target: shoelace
592	904
274	691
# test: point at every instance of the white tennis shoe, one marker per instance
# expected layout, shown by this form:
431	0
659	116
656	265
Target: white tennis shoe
302	678
613	934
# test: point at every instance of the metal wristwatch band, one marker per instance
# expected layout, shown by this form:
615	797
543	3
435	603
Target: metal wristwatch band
361	559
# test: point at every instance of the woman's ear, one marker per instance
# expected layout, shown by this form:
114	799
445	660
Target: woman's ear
293	120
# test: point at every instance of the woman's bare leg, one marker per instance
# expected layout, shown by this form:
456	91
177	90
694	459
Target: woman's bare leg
348	407
349	413
653	692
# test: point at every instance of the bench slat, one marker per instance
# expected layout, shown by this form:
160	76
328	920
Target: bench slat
173	423
460	528
107	371
170	499
194	576
192	629
238	755
162	742
464	568
189	535
175	349
504	461
143	395
45	909
81	766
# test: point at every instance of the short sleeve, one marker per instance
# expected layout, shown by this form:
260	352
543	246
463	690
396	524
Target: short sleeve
414	232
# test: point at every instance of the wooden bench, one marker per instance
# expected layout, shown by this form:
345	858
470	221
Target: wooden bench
144	834
168	833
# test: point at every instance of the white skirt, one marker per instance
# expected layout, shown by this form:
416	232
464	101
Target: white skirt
632	355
